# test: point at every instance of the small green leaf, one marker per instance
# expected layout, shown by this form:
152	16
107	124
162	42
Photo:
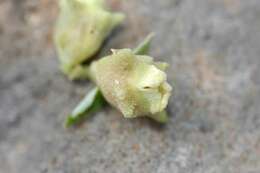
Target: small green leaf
91	103
144	46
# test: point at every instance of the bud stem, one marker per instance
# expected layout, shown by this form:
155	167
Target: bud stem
81	72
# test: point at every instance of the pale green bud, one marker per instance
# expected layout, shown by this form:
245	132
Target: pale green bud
82	27
134	84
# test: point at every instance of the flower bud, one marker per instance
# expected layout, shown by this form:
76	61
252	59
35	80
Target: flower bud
134	84
82	27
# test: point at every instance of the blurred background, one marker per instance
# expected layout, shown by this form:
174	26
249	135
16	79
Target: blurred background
213	48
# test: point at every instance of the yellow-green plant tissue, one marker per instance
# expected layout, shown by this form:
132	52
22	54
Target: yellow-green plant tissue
82	27
134	84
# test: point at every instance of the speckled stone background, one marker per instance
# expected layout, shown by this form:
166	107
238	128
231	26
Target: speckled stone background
213	47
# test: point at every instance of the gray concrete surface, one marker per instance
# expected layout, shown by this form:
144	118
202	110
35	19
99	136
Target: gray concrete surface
213	47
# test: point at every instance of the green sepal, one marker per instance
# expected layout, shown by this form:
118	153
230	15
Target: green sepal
161	117
92	102
144	47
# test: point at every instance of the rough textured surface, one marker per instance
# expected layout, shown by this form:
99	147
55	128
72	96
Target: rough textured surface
213	49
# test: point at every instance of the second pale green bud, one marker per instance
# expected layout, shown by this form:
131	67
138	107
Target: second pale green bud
81	28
